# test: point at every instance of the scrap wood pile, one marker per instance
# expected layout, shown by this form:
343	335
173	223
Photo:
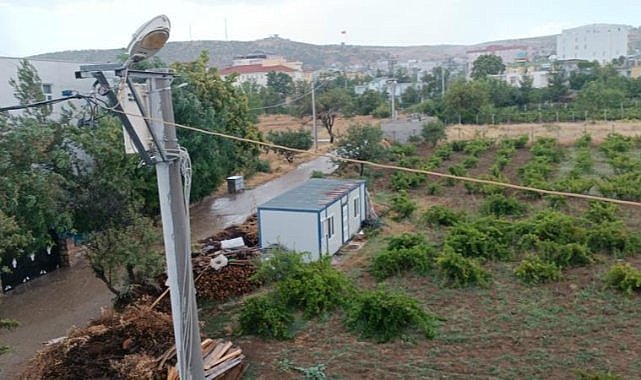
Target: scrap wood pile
116	346
226	272
221	360
137	344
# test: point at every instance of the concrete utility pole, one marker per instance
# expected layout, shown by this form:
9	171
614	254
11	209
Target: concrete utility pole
314	114
176	235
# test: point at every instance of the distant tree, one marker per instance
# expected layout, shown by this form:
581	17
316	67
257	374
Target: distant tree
487	64
361	142
300	139
586	72
410	96
526	90
435	82
597	96
331	104
465	99
557	87
402	75
433	132
281	83
368	102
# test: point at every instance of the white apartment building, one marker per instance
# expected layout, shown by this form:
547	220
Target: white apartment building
58	80
595	42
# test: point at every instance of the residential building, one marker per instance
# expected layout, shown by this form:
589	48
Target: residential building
508	53
58	79
317	217
514	74
595	42
254	68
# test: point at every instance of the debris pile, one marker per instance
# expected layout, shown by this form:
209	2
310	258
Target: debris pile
116	346
221	360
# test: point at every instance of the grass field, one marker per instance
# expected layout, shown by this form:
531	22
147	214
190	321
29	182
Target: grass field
508	329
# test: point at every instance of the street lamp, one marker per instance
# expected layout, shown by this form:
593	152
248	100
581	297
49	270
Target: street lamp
148	39
148	128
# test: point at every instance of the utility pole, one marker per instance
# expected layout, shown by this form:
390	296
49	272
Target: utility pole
176	234
314	115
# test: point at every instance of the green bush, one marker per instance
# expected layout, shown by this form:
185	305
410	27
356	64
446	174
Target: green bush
624	277
553	226
441	216
433	132
406	240
317	174
566	255
315	288
300	139
404	180
383	316
470	162
613	238
546	147
500	205
625	186
534	270
403	205
584	141
266	316
278	266
600	212
382	111
395	261
485	238
476	147
457	270
616	144
444	152
486	189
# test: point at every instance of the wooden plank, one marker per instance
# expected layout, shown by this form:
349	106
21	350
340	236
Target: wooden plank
232	354
223	367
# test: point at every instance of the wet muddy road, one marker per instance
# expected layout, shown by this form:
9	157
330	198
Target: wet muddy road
49	306
213	214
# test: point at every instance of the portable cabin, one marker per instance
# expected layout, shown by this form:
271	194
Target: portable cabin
317	217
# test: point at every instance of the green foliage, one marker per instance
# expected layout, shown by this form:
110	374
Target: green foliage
486	238
433	132
584	141
383	316
534	270
595	375
625	186
602	212
406	240
402	205
613	238
476	147
442	216
300	139
123	256
487	64
565	255
361	142
616	143
403	180
266	316
458	270
382	111
214	104
624	277
391	262
486	189
317	174
500	205
470	162
551	225
370	102
278	266
546	147
315	288
465	100
7	324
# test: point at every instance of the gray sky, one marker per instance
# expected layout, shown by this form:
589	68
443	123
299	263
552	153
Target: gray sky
30	27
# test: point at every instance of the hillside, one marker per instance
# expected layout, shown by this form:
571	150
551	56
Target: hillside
313	56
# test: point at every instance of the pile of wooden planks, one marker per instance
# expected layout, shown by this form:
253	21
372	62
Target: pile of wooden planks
221	360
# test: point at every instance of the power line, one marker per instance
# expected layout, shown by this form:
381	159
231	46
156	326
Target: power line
287	102
43	103
400	168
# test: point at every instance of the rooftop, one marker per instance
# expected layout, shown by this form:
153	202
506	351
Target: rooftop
257	68
313	195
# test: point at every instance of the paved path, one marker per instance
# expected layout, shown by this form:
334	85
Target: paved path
48	306
213	214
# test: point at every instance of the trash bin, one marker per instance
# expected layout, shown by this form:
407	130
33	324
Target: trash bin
235	184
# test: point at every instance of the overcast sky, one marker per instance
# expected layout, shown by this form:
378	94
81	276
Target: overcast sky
30	27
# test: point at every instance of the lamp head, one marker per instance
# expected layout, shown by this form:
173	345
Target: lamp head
148	39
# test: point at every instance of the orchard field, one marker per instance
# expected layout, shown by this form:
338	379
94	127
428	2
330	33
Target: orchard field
519	285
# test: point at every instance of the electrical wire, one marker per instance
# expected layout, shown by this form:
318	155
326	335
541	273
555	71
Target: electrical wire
399	168
290	101
42	103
